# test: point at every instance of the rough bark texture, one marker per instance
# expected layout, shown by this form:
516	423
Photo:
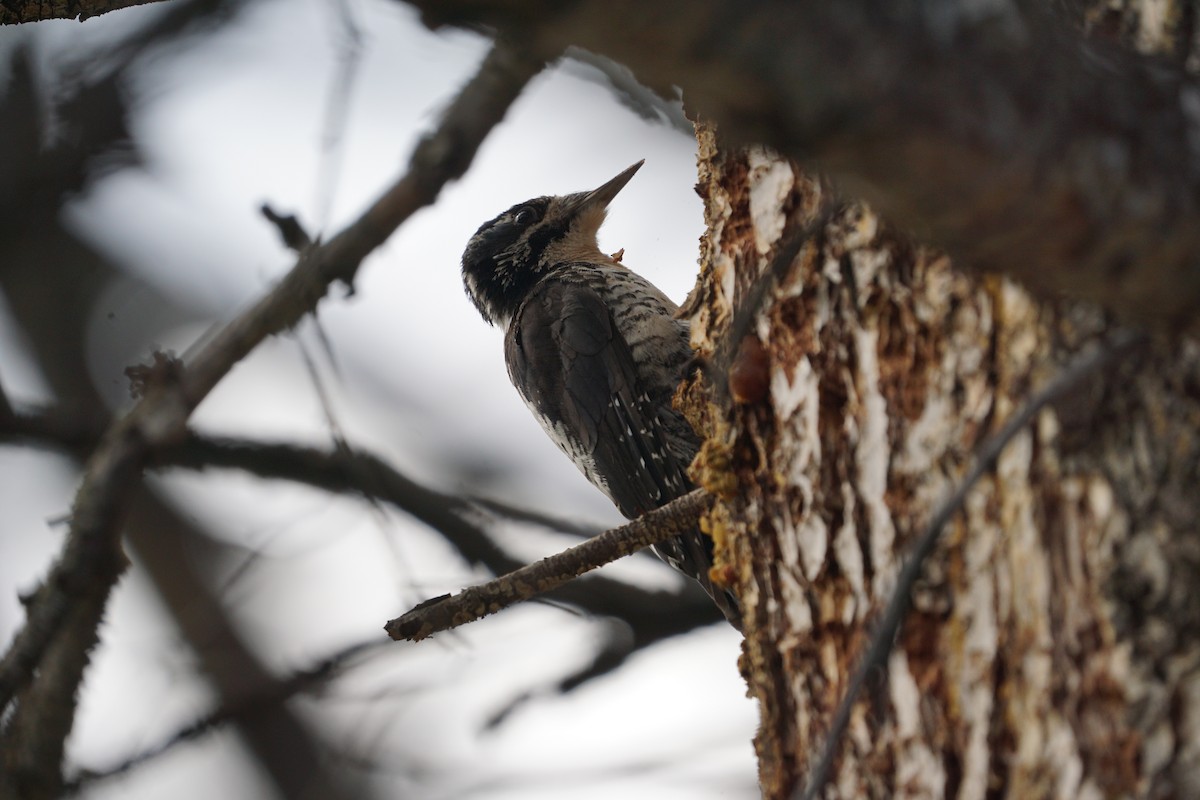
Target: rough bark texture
1054	645
13	12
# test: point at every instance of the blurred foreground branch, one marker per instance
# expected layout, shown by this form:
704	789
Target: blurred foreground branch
254	704
653	615
73	597
52	282
255	700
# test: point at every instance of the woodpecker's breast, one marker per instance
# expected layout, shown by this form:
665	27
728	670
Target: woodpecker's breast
596	354
644	319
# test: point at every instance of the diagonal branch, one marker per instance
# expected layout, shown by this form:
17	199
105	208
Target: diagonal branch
653	615
446	612
79	583
648	616
325	670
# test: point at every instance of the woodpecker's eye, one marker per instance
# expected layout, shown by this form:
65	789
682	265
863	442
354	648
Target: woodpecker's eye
526	215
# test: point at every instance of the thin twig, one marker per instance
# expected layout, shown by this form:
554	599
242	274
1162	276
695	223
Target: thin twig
533	516
339	470
281	690
446	612
347	39
879	647
291	232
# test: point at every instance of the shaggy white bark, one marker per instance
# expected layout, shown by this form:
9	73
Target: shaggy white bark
1028	663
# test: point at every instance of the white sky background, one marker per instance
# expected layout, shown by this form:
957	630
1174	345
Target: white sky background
236	120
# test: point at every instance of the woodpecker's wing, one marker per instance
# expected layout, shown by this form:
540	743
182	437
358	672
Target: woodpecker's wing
576	372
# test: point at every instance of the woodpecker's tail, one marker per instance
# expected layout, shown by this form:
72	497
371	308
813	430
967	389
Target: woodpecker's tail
692	554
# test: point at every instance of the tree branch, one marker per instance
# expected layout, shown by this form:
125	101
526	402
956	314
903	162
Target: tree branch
1000	136
647	616
79	583
173	551
644	617
278	692
446	612
652	615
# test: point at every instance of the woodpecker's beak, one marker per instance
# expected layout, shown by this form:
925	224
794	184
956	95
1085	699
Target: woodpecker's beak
603	196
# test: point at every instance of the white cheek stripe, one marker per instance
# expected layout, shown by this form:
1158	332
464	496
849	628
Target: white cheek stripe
472	286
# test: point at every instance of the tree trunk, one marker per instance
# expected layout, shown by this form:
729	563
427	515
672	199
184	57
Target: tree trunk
1052	646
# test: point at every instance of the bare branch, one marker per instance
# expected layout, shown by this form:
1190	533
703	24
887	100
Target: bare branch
92	559
641	617
172	550
653	615
444	613
542	519
35	733
439	158
1083	366
325	670
647	616
63	619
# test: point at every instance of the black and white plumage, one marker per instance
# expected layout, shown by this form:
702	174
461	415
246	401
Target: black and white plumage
596	352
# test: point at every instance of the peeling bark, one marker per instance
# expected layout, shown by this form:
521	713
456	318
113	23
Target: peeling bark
1053	648
14	12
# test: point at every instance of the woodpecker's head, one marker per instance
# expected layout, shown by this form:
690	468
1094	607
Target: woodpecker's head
510	253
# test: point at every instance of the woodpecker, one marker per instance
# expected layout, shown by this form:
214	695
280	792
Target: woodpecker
595	351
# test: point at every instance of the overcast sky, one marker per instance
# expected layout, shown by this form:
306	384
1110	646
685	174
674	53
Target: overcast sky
241	118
